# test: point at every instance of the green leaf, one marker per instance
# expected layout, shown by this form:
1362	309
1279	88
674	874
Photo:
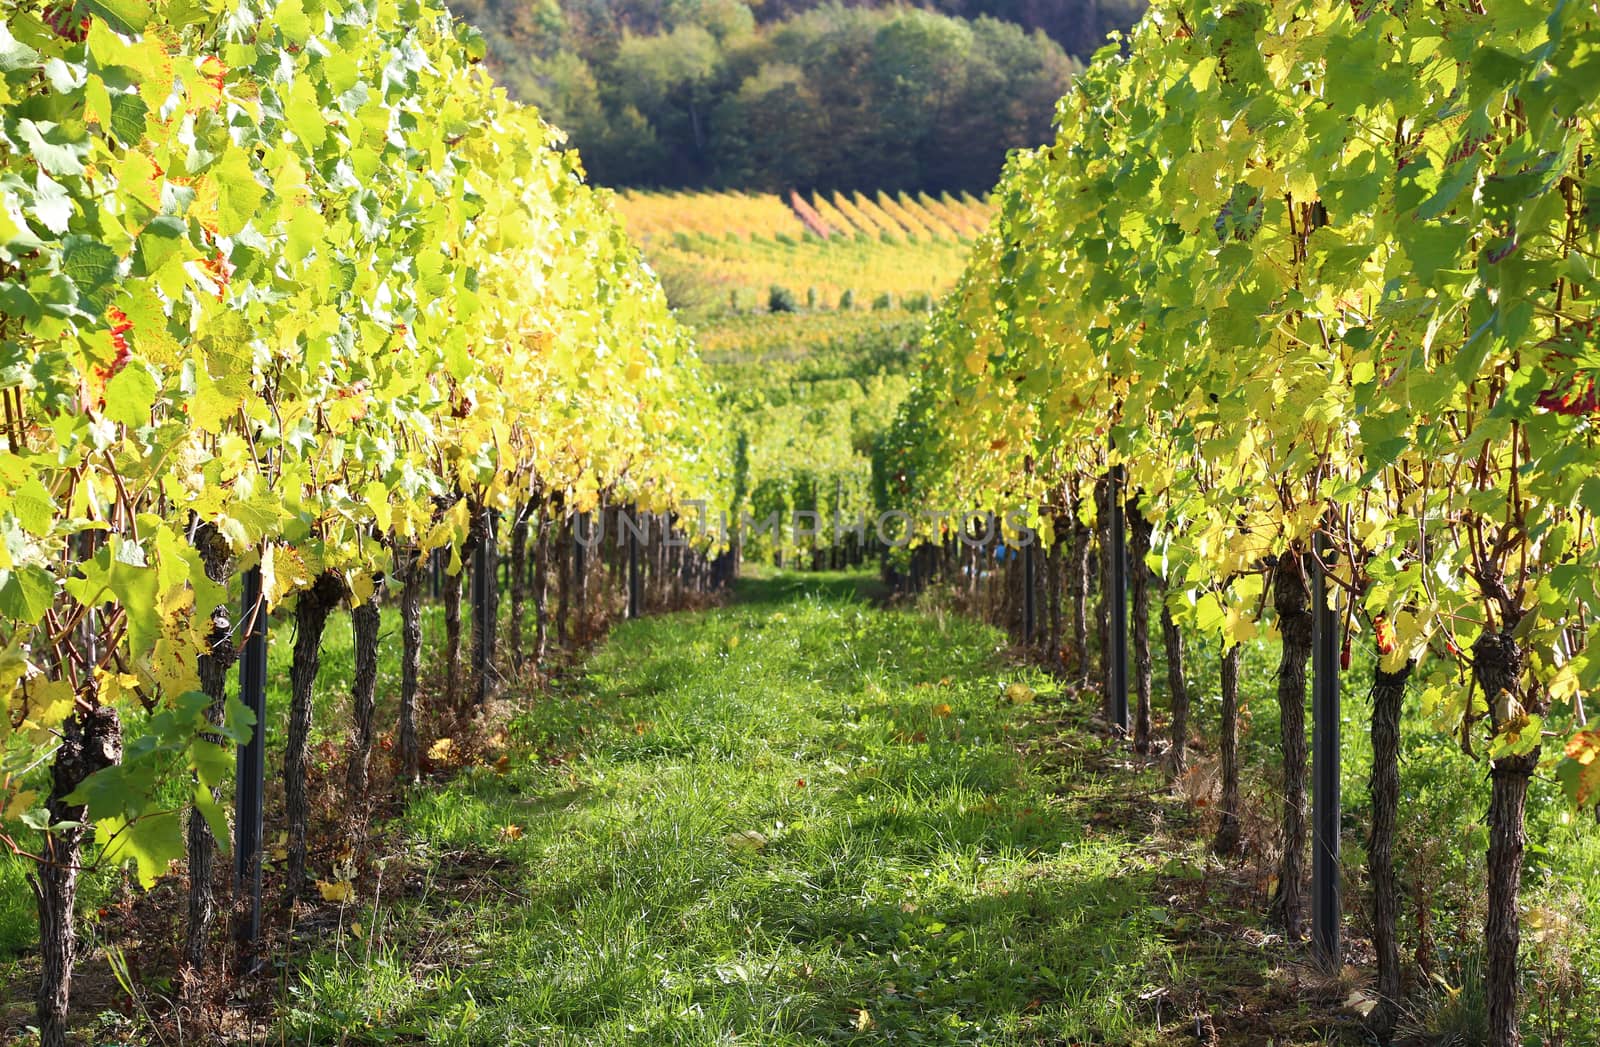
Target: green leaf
305	233
210	762
135	588
304	113
1434	246
27	594
239	195
291	20
1208	614
159	241
36	818
16	301
1447	192
14	54
1589	495
181	13
57	153
1517	742
52	205
238	721
33	507
367	210
129	396
216	818
341	71
212	403
128	113
128	17
1494	69
154	841
92	267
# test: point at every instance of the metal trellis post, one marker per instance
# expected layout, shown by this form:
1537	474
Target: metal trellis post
1325	799
1118	698
1029	581
484	605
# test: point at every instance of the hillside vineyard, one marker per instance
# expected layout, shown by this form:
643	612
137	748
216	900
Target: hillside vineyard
369	668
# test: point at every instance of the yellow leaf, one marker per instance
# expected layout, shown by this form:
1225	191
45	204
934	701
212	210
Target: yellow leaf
1238	627
747	840
112	686
361	587
439	536
13	667
1564	685
20	803
48	703
376	495
442	750
338	891
282	572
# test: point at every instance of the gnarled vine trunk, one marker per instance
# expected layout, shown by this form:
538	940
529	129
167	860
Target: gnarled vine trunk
480	549
1291	598
580	580
1052	597
1497	665
567	550
311	618
1388	694
90	741
364	620
1227	839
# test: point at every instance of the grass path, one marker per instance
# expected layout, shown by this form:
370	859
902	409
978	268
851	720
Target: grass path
794	820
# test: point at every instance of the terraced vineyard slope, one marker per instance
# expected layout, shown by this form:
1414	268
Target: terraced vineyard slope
752	251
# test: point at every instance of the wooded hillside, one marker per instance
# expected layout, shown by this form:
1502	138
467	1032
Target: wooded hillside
719	94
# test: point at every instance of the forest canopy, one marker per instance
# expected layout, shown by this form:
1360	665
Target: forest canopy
706	94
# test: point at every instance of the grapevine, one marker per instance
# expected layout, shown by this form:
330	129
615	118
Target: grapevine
287	285
1304	269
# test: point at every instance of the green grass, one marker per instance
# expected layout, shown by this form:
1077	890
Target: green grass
19	920
761	825
999	874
